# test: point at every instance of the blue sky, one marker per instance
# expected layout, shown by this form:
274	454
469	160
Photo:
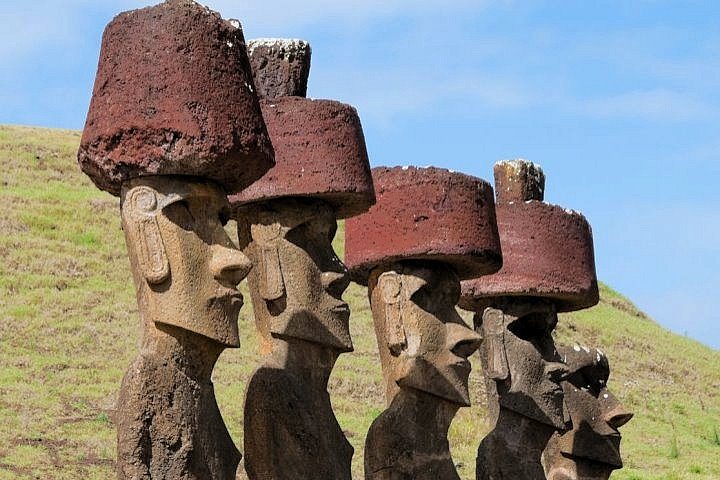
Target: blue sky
618	101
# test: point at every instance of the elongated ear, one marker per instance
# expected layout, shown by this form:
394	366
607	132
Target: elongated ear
140	209
391	288
493	333
267	238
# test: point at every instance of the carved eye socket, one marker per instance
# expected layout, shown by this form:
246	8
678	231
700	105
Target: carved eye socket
465	348
530	327
179	214
224	216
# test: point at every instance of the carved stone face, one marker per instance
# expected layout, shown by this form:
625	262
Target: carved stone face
519	354
298	281
186	268
424	343
591	449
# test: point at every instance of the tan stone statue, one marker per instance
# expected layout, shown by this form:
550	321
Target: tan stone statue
424	345
286	224
174	125
185	269
296	286
429	228
591	449
519	356
548	267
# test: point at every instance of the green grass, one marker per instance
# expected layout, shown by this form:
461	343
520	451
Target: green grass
68	329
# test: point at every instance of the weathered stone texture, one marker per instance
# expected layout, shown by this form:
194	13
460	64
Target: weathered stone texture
290	429
296	287
519	357
320	153
173	95
168	421
185	270
280	66
425	214
547	252
590	450
424	349
518	181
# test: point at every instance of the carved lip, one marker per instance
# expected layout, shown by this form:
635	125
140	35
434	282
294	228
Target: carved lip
462	365
231	295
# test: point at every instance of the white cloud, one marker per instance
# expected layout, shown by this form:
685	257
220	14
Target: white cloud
656	104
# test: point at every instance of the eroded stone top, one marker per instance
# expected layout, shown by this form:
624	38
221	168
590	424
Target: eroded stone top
518	181
281	66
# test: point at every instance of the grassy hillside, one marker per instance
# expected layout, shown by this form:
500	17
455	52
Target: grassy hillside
69	328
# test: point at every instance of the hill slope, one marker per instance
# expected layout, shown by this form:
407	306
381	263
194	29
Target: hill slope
68	329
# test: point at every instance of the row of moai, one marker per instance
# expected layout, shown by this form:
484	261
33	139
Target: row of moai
190	127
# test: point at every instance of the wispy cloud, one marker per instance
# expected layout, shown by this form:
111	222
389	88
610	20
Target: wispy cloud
655	105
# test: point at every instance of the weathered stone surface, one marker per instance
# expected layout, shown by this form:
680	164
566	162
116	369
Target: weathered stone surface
320	153
281	66
591	449
547	252
290	429
548	266
168	421
185	270
424	348
519	357
173	95
425	214
296	287
518	181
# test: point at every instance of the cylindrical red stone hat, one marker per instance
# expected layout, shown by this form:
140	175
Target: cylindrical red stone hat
174	95
547	250
319	153
425	214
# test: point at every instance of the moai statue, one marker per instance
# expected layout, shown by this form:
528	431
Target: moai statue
429	229
548	267
173	126
591	449
286	224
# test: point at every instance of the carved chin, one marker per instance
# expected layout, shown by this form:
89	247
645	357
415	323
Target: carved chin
561	473
449	382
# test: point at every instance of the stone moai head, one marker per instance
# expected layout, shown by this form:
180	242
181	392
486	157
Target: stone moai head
591	449
429	228
173	125
519	355
424	342
298	281
548	267
186	268
287	220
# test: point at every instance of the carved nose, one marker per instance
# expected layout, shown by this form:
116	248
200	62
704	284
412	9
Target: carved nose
556	371
335	283
229	266
616	415
463	341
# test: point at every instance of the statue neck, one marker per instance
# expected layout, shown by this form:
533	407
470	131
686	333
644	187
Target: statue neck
192	354
308	361
428	414
521	434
